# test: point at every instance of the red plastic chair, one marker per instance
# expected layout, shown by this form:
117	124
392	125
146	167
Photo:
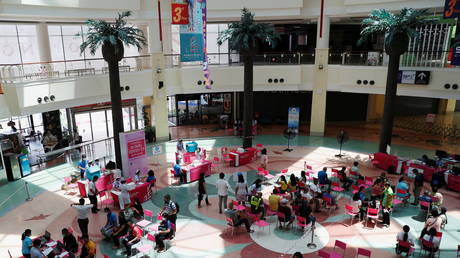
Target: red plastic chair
108	201
324	254
407	246
425	207
363	252
327	203
458	251
355	188
336	187
349	211
301	222
148	213
284	171
372	214
368	180
129	180
400	200
259	145
340	245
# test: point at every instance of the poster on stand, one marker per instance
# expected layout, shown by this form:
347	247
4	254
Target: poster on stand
293	119
133	153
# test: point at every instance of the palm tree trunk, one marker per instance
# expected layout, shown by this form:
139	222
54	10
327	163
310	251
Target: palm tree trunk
117	113
248	100
386	130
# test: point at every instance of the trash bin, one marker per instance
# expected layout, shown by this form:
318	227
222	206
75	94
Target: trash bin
191	146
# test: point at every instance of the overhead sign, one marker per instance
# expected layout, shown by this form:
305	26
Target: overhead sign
452	9
414	77
179	13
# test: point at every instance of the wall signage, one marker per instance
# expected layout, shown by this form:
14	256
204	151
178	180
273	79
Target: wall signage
414	77
179	13
452	9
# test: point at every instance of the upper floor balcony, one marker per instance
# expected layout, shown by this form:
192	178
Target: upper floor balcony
31	72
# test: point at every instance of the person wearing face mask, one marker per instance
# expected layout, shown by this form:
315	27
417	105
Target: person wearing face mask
125	198
170	209
137	176
83	165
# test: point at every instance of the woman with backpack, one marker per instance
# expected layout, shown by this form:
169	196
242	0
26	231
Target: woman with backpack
406	237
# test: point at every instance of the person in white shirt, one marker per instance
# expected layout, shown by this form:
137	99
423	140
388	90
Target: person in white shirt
137	176
82	215
92	194
222	191
117	183
406	237
125	198
433	239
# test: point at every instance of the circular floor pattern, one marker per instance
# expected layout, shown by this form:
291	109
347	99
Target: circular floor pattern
291	241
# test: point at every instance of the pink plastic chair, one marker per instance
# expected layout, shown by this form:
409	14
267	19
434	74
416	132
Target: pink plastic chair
369	180
259	145
372	214
340	245
301	222
148	213
349	211
336	187
108	201
151	237
355	188
363	252
70	186
324	254
284	171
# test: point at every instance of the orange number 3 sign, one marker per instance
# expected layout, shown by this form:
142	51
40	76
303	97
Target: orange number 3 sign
452	9
179	13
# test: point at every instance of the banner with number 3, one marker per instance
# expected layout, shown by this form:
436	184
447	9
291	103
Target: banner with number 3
179	13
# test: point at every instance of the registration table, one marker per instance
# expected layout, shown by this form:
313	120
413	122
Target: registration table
453	182
384	161
426	170
196	168
242	158
101	184
141	191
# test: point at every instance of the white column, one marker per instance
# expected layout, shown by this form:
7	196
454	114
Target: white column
318	104
43	40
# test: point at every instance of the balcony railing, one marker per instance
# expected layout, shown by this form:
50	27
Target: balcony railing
68	69
13	73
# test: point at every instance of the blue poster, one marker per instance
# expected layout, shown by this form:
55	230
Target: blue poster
25	165
293	118
455	55
191	35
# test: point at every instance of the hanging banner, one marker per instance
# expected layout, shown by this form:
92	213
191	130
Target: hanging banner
455	55
227	103
179	13
191	35
207	82
133	153
452	9
293	118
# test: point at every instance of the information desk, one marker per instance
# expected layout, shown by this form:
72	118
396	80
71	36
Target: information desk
384	161
101	184
188	157
194	170
453	182
242	158
141	191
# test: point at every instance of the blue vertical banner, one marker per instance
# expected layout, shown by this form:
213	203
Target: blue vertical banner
456	55
293	118
207	82
191	35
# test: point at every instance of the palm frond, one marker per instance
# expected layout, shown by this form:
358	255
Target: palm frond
244	34
100	32
383	21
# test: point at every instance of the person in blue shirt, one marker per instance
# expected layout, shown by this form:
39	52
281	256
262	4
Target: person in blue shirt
402	185
179	173
322	177
165	231
151	178
111	224
83	165
26	243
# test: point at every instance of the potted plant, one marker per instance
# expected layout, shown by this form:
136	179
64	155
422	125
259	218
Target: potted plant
398	28
111	37
243	36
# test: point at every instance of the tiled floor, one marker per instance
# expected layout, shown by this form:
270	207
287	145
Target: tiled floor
200	232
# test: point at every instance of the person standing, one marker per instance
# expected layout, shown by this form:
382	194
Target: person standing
170	209
387	204
125	198
264	158
82	215
241	190
83	165
202	191
88	249
222	191
92	194
26	243
180	146
418	185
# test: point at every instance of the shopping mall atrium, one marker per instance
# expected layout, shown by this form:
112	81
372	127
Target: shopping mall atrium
242	128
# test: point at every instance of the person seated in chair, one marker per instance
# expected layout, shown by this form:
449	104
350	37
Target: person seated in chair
165	231
69	241
284	209
433	239
237	217
406	237
179	173
257	205
133	237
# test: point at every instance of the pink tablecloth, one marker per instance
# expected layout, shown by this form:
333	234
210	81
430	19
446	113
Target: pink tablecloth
242	158
385	160
193	172
141	191
101	184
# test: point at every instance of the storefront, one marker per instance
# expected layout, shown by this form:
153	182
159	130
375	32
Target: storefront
191	109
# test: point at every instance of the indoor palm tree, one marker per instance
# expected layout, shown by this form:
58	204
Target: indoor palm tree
244	36
398	28
111	37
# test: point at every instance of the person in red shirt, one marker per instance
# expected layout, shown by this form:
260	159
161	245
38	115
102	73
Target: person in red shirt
134	236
